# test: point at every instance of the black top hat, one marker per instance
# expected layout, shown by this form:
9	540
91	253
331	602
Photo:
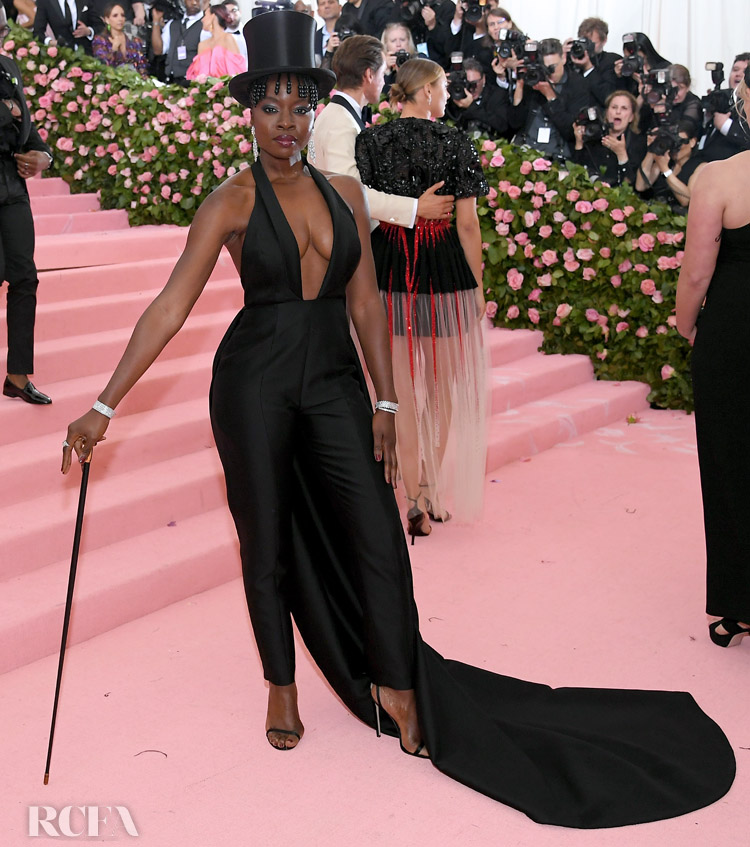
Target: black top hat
280	42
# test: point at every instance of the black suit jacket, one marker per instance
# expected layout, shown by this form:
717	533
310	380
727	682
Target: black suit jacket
602	80
28	137
374	16
48	12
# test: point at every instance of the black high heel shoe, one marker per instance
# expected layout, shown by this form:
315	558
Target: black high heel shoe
415	519
378	705
733	635
435	514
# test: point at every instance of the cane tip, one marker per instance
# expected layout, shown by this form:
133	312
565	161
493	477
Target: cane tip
46	778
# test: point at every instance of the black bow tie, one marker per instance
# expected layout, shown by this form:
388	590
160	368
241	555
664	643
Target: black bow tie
367	114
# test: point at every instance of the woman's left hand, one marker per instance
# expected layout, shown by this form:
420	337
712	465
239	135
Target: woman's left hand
616	143
480	301
384	443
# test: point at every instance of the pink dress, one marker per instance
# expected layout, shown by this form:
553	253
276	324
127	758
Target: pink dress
217	62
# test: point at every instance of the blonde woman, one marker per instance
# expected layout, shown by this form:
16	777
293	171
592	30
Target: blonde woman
714	270
430	279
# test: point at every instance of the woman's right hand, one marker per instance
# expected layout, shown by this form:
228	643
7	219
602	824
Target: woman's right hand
83	435
390	61
578	131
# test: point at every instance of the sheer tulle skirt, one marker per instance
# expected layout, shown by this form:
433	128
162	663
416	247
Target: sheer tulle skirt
439	371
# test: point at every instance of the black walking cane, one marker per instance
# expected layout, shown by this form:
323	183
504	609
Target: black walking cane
69	601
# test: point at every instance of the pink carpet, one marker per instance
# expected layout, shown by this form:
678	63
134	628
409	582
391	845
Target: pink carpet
587	570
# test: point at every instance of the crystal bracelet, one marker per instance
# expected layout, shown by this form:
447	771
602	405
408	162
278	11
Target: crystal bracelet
103	409
386	406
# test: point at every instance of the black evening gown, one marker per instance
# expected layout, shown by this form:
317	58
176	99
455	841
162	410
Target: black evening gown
572	757
721	366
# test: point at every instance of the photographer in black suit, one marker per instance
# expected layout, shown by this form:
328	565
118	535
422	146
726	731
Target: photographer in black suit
72	23
547	99
23	155
372	15
177	38
483	107
725	133
587	56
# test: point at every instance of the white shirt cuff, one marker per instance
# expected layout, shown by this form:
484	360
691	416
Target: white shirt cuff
724	128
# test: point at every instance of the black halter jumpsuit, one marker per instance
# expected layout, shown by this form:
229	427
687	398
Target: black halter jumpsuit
321	539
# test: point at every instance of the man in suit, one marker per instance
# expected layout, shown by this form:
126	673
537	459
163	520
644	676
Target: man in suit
372	15
597	67
483	108
23	155
177	40
71	22
359	64
326	38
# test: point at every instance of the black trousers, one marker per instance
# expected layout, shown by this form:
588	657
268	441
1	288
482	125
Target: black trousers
18	269
285	384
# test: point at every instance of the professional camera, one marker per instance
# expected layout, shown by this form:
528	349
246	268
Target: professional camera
660	82
510	43
401	57
171	9
579	47
594	125
632	63
474	10
666	140
719	100
263	6
532	70
411	10
457	80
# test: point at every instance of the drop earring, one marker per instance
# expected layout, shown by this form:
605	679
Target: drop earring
311	145
255	144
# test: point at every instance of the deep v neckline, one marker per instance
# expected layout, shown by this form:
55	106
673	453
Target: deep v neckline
284	231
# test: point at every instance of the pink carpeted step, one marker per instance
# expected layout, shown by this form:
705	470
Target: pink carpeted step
532	377
505	345
38	533
30	466
541	424
81	355
168	380
128	276
115	584
82	250
102	222
39	187
121	310
53	204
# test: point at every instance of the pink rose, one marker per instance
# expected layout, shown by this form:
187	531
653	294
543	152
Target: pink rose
522	238
585	254
619	229
515	278
649	216
537	202
646	242
622	326
526	168
550	195
661	330
502	229
605	252
528	186
640	268
492	194
488	145
540	187
572	195
568	229
563	310
528	250
667	371
556	321
545	231
658	297
545	280
586	226
648	287
533	316
571	266
503	186
667	263
508	216
617	215
497	161
584	207
628	211
541	164
511	247
514	192
601	205
535	295
499	214
625	266
592	315
672	321
641	332
558	217
589	274
491	309
569	255
513	312
603	322
602	355
528	219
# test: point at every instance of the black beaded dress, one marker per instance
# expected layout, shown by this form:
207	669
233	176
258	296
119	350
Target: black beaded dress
721	370
428	290
321	541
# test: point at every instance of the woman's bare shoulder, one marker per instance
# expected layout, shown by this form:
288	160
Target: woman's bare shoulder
230	205
350	188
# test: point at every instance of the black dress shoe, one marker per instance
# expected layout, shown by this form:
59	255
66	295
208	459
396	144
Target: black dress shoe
28	393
